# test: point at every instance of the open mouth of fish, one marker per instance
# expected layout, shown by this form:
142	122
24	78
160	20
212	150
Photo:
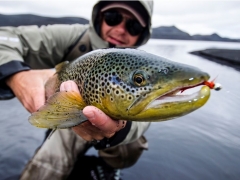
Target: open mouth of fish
192	94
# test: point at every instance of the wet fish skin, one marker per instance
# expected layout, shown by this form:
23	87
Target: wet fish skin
123	83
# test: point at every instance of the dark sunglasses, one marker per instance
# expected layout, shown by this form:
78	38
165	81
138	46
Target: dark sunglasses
113	18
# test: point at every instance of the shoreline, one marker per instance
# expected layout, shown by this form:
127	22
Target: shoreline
228	57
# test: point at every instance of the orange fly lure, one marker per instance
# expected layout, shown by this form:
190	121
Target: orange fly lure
210	84
213	85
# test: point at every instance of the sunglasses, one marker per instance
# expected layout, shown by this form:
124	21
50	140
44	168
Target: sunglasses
113	18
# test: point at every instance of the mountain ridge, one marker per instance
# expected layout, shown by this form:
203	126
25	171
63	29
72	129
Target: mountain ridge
172	32
162	32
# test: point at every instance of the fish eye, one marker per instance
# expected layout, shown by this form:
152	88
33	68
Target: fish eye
139	80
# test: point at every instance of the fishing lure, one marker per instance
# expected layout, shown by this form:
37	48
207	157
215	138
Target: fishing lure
212	85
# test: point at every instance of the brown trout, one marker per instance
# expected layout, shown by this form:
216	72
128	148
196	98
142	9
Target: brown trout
126	84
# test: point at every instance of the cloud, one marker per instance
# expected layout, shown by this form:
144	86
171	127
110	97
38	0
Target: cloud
194	17
200	17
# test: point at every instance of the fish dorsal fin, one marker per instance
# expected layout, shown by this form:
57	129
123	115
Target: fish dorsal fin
61	65
62	110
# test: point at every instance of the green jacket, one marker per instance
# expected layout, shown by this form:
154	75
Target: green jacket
32	47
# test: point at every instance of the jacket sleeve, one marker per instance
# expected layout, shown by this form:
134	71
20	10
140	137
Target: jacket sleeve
30	47
132	131
136	131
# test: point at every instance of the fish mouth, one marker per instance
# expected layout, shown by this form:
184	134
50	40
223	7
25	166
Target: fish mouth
177	96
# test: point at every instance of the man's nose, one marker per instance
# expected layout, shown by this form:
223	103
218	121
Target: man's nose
121	27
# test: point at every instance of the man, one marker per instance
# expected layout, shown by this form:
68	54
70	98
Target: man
27	53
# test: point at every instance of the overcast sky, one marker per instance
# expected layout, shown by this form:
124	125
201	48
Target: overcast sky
192	16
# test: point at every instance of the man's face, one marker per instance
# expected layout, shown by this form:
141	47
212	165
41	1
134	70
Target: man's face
118	34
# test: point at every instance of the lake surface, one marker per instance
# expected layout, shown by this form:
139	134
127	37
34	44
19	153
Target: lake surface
202	145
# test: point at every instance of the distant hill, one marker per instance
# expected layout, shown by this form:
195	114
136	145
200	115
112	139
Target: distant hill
162	32
172	32
29	19
169	32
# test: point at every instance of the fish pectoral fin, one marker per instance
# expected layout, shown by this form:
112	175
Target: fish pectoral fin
62	110
61	65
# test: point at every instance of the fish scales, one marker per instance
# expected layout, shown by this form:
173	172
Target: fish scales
129	84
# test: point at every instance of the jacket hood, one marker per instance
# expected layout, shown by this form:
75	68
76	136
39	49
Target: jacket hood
97	42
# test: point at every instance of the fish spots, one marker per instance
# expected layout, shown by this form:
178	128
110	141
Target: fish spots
109	74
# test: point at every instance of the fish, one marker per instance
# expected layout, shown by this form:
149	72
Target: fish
127	84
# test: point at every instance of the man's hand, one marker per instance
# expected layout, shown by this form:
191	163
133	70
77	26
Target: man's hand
99	125
28	87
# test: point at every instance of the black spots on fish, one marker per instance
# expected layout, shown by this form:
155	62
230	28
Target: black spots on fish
175	69
89	88
86	96
118	79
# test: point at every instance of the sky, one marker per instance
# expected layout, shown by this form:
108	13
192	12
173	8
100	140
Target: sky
192	16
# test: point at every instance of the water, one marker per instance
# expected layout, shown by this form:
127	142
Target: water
202	145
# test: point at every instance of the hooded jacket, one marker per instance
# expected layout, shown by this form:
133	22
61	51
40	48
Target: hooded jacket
31	47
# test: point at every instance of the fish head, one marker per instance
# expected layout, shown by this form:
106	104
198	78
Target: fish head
133	85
